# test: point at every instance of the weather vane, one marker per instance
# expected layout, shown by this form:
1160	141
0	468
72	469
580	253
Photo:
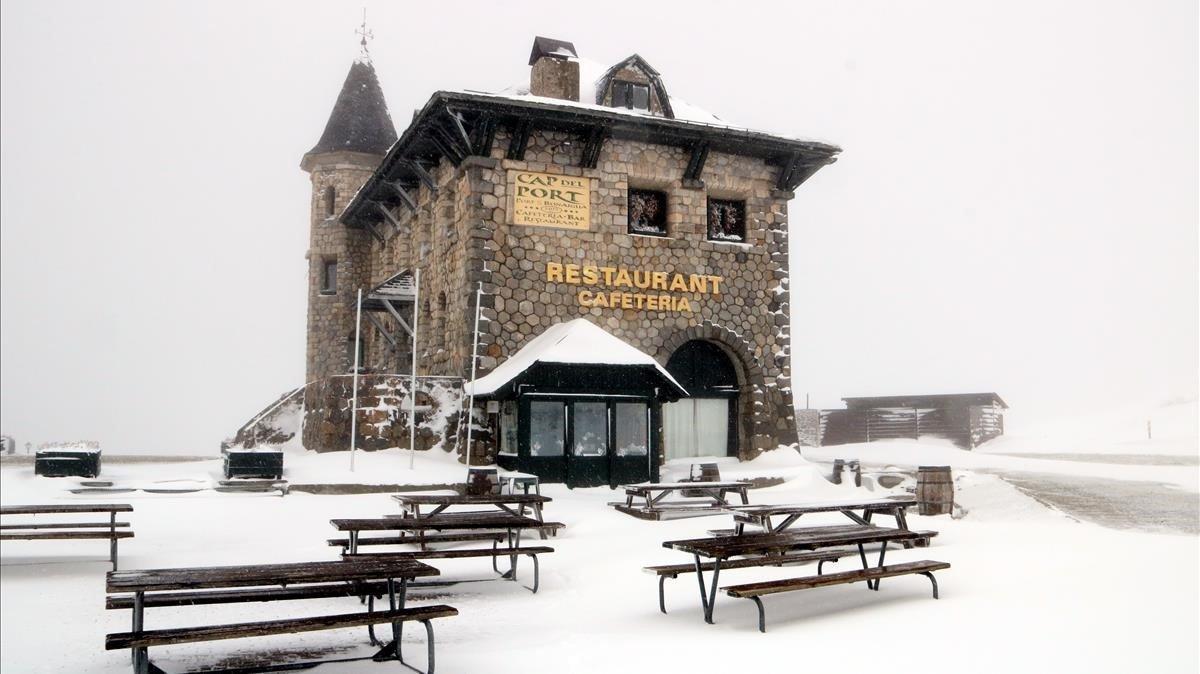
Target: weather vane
365	33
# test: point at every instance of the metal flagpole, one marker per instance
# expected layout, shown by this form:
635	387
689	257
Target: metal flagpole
474	357
354	385
412	393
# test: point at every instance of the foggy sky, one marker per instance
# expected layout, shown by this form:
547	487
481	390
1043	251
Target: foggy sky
1015	208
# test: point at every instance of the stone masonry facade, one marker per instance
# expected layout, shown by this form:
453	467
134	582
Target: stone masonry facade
459	237
331	315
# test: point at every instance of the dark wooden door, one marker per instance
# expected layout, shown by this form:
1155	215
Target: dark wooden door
632	445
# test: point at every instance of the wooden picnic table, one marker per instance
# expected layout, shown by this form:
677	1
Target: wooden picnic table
212	585
506	522
112	530
764	546
654	493
761	515
498	521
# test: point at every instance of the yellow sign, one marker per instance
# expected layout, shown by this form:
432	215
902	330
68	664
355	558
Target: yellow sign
548	200
641	284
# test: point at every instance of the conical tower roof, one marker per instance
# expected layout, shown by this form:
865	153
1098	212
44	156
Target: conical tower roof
360	121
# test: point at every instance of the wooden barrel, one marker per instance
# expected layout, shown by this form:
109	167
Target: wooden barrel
935	490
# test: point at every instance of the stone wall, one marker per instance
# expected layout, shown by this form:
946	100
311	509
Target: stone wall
383	419
274	425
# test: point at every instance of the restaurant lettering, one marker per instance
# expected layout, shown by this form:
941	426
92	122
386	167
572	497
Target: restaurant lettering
548	200
621	288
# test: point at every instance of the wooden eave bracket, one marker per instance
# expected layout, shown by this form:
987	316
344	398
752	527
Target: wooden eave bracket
797	168
591	148
401	191
387	215
520	139
422	174
695	166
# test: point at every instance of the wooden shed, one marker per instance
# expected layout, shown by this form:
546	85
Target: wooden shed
968	419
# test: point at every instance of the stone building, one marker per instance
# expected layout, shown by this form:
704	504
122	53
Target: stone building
588	193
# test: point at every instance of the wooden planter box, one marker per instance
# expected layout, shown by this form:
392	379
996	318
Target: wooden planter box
53	463
262	465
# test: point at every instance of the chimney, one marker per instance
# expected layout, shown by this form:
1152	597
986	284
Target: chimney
553	73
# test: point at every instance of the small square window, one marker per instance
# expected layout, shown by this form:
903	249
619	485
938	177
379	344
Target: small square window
647	212
329	277
630	95
726	220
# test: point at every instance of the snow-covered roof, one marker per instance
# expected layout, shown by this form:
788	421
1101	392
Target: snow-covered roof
576	342
591	76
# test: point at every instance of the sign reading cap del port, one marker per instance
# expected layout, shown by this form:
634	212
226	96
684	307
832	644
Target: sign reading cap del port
549	200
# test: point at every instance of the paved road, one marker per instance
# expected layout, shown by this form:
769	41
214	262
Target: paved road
1124	459
1119	504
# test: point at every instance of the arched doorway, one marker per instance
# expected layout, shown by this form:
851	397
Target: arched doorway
704	424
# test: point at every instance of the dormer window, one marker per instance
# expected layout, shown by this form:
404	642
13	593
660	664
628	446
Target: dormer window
632	84
630	95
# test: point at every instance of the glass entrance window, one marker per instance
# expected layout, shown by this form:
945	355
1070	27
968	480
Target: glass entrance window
591	429
547	428
632	429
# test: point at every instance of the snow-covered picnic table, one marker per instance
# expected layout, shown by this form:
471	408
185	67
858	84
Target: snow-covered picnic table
654	493
760	515
151	588
767	548
513	504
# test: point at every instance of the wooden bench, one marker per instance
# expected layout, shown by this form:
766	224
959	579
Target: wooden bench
208	597
669	511
494	552
182	635
921	541
674	570
754	591
270	582
112	530
456	523
252	486
344	543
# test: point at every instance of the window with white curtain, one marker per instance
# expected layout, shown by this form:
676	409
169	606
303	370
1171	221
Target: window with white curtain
696	427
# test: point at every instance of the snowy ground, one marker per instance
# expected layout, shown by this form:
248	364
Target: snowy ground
1031	588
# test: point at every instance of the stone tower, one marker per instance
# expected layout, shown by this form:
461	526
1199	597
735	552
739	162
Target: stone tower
357	135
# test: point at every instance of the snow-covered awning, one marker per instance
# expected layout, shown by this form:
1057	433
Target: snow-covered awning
577	342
